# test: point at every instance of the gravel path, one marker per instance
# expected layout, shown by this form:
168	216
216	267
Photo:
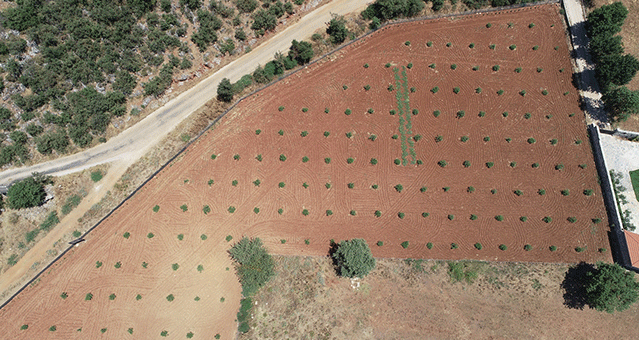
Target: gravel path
622	156
588	87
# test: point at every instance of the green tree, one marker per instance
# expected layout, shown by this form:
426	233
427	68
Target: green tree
225	90
263	21
607	19
616	69
337	30
254	265
27	193
302	52
391	9
246	6
620	102
353	258
611	288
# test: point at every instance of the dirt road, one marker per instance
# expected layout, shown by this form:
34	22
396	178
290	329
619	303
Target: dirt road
588	87
136	141
132	144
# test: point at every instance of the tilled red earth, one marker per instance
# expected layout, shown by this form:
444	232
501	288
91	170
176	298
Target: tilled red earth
305	174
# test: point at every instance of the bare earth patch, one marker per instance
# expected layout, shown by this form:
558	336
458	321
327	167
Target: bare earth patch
403	299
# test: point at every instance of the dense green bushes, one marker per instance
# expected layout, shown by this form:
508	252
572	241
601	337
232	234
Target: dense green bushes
28	192
385	10
353	258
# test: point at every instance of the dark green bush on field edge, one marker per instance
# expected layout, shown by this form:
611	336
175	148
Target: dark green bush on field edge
254	267
353	258
27	193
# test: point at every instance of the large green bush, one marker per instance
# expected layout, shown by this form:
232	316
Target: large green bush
611	288
353	258
254	265
27	193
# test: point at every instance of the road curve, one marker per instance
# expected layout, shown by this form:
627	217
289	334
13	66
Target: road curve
134	142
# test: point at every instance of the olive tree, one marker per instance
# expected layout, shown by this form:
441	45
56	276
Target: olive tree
611	288
353	258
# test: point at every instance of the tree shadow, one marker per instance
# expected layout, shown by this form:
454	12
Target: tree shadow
575	295
333	247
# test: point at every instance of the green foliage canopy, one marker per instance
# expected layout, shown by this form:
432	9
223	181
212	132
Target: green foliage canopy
353	258
27	193
254	265
611	288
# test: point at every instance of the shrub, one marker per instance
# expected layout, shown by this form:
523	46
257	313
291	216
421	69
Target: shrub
27	193
390	88
512	47
460	114
305	109
471	189
112	297
353	258
214	156
126	235
118	264
523	218
518	69
475	68
396	161
429	245
306	241
349	160
52	328
327	185
329	212
489	165
587	192
596	220
398	187
373	138
454	66
347	112
150	235
170	297
280	132
473	217
366	65
88	297
492	46
304	134
553	248
76	234
456	90
464	139
433	65
448	44
374	161
535	48
256	210
236	157
478	246
435	89
231	209
377	213
508	141
513	164
496	67
210	182
500	92
425	214
494	191
499	218
280	211
414	112
305	212
523	92
527	247
442	163
24	327
190	335
438	138
326	110
545	92
454	246
472	45
488	25
571	219
352	213
380	243
283	158
547	219
505	114
98	264
326	133
387	65
553	141
559	166
531	140
429	43
281	108
610	288
184	207
401	215
374	186
407	43
580	249
535	165
450	217
518	193
350	185
502	247
349	134
539	69
423	189
64	295
156	208
180	237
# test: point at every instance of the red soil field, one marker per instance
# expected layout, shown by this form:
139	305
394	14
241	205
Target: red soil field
338	83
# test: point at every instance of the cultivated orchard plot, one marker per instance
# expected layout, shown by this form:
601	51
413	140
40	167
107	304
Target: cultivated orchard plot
455	138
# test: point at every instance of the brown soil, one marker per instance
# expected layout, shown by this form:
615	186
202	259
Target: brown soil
417	300
185	182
